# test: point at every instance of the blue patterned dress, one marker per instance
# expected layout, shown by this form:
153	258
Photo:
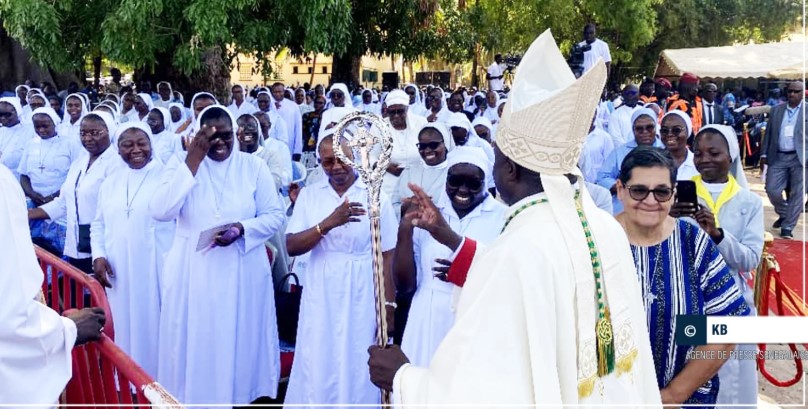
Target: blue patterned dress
684	274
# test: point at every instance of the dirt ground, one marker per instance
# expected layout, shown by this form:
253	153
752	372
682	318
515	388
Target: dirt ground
771	396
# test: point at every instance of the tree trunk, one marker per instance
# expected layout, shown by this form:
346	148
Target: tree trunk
97	70
345	69
16	66
475	80
313	70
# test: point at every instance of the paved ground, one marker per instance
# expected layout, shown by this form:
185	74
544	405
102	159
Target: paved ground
771	396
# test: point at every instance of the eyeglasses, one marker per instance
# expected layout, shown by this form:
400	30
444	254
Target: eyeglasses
793	91
471	183
640	192
6	114
429	145
92	134
676	130
225	136
646	128
337	95
394	112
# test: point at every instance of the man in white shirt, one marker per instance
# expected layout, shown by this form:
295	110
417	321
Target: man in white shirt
290	112
239	106
620	126
496	73
35	342
599	49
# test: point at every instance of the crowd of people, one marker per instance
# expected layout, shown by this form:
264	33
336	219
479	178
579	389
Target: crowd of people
173	207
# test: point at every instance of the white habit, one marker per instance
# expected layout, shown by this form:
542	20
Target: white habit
35	342
218	334
134	245
337	312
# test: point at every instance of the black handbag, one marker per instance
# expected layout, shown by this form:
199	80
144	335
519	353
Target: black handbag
287	308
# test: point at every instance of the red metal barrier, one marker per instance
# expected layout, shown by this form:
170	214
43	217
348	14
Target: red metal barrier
102	373
71	288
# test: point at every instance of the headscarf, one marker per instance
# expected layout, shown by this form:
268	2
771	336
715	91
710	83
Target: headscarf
49	112
117	99
66	119
170	91
736	165
174	125
133	125
685	117
444	132
109	122
166	116
14	102
108	106
146	100
481	120
342	87
474	156
397	97
417	94
642	112
459	120
271	100
17	91
233	122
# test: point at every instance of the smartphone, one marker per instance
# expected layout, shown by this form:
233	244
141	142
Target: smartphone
686	192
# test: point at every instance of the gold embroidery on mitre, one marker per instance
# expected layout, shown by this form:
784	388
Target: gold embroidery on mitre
547	137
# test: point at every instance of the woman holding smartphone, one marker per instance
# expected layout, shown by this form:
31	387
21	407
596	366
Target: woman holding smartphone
732	216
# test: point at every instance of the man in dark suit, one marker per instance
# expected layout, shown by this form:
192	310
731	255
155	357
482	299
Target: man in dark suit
713	111
784	152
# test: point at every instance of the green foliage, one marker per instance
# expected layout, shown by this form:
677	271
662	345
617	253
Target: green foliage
141	33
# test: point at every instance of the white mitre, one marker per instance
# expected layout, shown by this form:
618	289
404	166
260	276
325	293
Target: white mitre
543	128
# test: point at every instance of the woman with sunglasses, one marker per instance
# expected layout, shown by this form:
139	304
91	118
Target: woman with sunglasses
644	128
404	127
675	131
681	271
434	144
420	261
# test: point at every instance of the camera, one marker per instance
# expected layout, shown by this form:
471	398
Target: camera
512	60
576	60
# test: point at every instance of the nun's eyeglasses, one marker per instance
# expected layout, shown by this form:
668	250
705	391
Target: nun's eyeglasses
429	145
92	134
676	130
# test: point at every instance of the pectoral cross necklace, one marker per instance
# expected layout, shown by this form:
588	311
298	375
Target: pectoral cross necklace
42	157
217	199
129	202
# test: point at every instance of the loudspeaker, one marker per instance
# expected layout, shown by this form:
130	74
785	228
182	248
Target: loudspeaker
390	80
443	79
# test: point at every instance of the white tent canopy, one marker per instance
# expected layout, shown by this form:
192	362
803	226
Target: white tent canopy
742	61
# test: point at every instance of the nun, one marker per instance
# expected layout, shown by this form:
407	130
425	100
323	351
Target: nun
438	112
177	112
733	217
483	128
78	196
75	109
404	127
14	135
278	129
272	151
434	144
128	245
337	95
143	105
469	209
164	143
217	304
416	103
165	95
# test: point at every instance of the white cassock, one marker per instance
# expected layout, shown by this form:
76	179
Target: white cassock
13	141
496	70
134	245
70	131
218	332
517	322
35	342
620	127
291	115
372	108
337	311
432	311
405	150
47	161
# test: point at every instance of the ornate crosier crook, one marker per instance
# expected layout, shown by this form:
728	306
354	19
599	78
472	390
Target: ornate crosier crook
363	142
